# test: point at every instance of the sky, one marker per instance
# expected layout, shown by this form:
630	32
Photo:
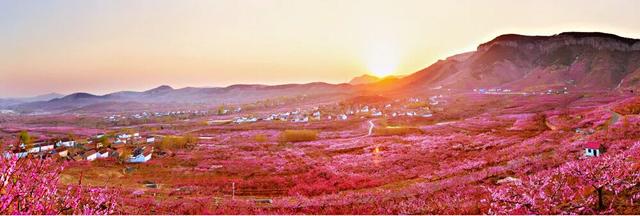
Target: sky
99	47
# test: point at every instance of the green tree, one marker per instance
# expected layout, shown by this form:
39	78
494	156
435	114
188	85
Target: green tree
24	137
105	141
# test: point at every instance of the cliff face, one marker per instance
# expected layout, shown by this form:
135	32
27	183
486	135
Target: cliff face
600	41
576	60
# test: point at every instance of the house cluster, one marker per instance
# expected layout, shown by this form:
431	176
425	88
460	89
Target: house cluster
498	91
225	111
148	115
93	148
493	91
389	110
7	112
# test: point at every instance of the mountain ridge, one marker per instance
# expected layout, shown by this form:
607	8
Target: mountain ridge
574	60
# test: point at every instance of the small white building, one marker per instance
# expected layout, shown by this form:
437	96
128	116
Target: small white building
592	149
63	153
342	117
91	155
41	148
103	154
151	139
66	143
123	136
301	119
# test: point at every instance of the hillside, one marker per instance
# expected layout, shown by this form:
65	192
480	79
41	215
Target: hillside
577	60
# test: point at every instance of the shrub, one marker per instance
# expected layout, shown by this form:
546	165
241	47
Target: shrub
416	105
391	131
260	138
298	135
176	142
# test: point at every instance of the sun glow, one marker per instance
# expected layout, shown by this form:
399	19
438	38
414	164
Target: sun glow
382	57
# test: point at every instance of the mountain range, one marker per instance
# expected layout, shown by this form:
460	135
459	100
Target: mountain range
576	60
4	102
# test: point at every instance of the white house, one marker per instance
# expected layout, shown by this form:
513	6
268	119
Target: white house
103	154
63	153
151	139
592	149
376	113
18	155
66	143
41	148
142	157
91	155
301	119
342	117
245	119
123	136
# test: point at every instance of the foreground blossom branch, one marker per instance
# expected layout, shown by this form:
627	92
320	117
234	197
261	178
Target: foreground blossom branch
30	186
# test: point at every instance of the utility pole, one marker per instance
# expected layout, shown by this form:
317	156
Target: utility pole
233	190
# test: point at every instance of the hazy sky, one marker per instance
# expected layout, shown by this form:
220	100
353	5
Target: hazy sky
101	46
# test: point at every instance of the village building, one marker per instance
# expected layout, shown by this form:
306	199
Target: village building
15	154
103	153
66	143
41	147
90	155
141	155
300	119
123	136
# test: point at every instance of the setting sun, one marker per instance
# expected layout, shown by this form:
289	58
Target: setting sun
382	59
381	69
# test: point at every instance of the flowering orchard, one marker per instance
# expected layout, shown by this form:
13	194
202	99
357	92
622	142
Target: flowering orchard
507	155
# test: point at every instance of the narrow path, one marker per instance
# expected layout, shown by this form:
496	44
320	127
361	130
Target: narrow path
371	126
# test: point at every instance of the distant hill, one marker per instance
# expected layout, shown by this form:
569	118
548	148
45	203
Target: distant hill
364	79
14	101
165	94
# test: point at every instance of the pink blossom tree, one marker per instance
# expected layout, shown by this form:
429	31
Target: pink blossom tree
577	187
30	186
